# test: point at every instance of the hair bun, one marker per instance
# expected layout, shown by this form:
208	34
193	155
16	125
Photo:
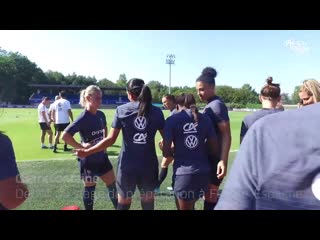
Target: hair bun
209	71
269	80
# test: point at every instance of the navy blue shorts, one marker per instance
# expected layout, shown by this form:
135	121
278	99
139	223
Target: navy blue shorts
44	126
91	171
127	182
61	126
190	186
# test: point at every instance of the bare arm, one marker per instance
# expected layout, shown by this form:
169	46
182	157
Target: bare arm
161	133
70	114
224	128
222	165
105	132
161	141
102	145
50	115
69	139
167	154
53	115
45	118
13	192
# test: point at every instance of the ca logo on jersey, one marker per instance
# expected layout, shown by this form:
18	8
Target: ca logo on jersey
140	123
190	128
140	138
191	141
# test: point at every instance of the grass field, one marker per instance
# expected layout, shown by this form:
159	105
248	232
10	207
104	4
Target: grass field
53	179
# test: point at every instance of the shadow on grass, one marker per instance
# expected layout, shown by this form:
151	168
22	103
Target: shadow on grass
116	146
113	153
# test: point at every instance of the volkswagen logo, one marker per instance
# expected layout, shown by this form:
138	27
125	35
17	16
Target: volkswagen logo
140	123
191	141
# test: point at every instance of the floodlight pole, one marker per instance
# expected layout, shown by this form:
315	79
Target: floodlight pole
170	60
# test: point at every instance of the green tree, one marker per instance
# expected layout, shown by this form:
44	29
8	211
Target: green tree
157	90
226	93
122	81
295	95
7	71
54	77
285	98
17	72
106	83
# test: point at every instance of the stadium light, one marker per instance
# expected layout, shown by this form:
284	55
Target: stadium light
170	60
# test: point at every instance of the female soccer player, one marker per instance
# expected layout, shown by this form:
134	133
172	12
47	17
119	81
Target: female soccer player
218	113
270	98
91	124
191	132
138	163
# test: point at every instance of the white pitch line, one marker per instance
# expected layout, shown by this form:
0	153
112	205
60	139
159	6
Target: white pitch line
72	158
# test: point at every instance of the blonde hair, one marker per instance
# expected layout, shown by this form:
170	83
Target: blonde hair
312	88
89	91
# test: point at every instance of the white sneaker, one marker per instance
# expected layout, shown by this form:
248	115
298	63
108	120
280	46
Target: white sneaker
169	188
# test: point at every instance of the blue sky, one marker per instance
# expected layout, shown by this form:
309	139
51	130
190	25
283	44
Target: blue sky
239	56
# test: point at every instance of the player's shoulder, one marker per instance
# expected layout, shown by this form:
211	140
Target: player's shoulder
216	102
127	109
100	113
156	109
4	140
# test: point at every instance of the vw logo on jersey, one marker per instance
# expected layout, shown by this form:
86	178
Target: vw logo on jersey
190	128
191	141
140	138
140	123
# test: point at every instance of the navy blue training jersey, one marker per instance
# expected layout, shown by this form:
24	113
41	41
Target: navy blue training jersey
91	129
217	112
189	138
8	165
249	120
278	165
138	151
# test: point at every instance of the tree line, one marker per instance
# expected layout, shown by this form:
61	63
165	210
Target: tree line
17	72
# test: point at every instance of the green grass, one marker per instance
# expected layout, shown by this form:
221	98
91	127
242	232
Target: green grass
55	182
21	125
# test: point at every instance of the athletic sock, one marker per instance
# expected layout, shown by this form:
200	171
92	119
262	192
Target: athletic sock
88	197
113	195
147	205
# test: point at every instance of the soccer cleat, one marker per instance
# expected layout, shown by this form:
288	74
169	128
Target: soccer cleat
72	207
44	147
67	149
